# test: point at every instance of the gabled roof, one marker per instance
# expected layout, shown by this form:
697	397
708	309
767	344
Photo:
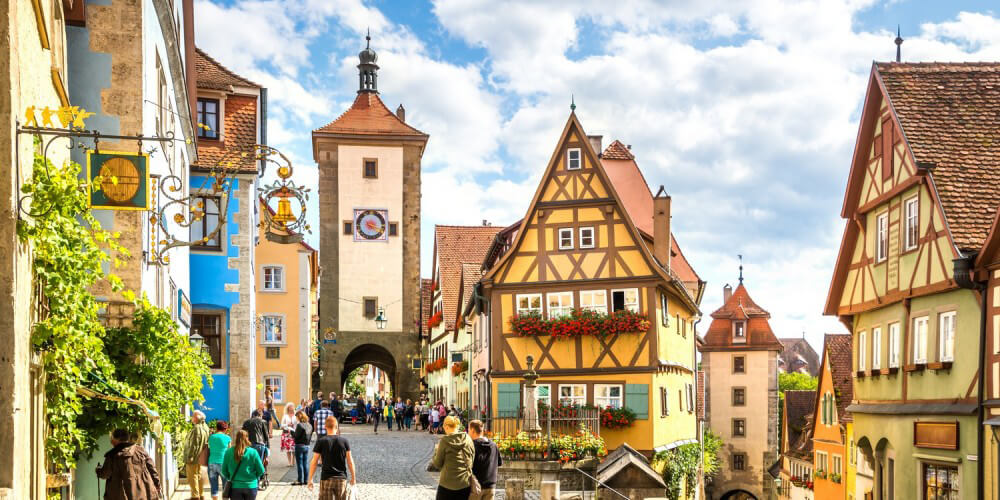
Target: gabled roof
798	422
213	75
453	247
368	115
617	151
625	457
470	276
837	352
740	307
797	356
426	300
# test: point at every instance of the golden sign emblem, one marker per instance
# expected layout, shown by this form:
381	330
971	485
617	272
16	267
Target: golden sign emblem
119	179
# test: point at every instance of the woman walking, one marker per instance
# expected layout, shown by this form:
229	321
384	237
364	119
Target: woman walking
288	422
425	415
218	443
242	467
376	415
453	456
408	417
389	411
301	435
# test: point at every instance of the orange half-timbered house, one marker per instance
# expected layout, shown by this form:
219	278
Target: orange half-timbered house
831	426
595	239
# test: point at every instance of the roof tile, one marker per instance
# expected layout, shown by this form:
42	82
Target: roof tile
838	348
740	307
799	407
453	247
213	75
368	115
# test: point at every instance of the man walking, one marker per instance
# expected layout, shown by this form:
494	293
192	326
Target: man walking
259	434
320	417
335	452
128	470
315	406
196	448
485	462
376	414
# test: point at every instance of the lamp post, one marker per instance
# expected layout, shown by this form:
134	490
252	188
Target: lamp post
380	320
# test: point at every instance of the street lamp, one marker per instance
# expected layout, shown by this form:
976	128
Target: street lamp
196	340
380	320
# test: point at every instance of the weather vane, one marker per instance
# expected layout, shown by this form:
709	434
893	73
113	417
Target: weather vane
741	267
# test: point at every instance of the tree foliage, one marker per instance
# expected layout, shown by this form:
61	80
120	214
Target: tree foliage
679	466
352	387
796	382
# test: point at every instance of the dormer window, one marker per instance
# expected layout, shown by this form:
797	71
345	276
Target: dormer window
739	331
573	159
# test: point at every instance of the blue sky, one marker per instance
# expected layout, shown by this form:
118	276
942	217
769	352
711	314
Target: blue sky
745	110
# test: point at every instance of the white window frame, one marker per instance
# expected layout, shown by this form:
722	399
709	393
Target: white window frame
598	300
920	340
279	394
564	234
263	278
882	237
529	296
631	307
569	159
604	401
282	330
877	348
837	465
911	212
822	461
743	329
946	336
690	397
862	351
574	399
894	345
592	236
664	313
562	308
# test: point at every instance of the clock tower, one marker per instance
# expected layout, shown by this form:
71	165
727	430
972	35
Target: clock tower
369	206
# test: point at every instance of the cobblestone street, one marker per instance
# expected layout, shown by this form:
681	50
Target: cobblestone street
390	465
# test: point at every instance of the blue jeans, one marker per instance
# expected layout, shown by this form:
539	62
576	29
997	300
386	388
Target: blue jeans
215	479
388	420
302	462
407	422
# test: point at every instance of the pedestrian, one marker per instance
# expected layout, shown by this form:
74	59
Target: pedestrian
335	406
376	415
360	408
266	415
486	462
242	466
301	406
258	434
335	453
128	471
400	413
368	411
425	416
217	444
288	421
408	416
389	410
196	454
453	457
435	420
320	417
315	405
301	435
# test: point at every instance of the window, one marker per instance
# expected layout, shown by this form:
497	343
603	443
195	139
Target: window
277	385
862	351
566	238
348	227
208	115
946	336
586	237
560	304
415	363
370	306
739	427
920	339
881	237
594	300
203	227
542	391
608	395
739	461
940	481
209	327
821	461
739	364
370	169
739	396
912	223
664	315
690	397
837	465
529	304
456	357
573	159
164	111
894	345
625	299
876	348
272	352
573	394
273	329
273	278
739	331
393	229
664	402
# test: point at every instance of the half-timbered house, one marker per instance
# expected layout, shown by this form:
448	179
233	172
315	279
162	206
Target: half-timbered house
832	425
918	206
595	243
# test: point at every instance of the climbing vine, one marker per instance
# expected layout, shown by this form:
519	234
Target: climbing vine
679	466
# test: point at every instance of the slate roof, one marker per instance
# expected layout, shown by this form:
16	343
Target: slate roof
799	407
453	247
426	300
368	115
948	113
740	307
838	348
213	75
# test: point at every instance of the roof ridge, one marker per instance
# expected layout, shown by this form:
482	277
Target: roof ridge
374	101
225	69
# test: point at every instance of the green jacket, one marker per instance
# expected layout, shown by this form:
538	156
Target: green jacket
245	473
197	439
453	457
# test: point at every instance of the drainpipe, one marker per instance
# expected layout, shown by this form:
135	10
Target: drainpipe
963	272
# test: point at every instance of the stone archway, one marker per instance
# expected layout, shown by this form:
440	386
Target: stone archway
370	354
738	495
338	360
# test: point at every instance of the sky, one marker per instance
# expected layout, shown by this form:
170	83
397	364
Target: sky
746	111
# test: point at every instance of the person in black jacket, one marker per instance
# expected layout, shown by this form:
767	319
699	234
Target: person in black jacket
301	435
485	462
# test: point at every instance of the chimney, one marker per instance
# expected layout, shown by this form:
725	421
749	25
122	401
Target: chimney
401	113
595	142
661	227
727	293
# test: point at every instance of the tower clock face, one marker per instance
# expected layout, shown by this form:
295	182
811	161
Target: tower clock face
370	225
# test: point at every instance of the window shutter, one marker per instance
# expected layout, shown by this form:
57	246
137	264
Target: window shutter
508	397
637	399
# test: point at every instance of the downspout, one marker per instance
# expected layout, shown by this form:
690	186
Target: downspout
963	267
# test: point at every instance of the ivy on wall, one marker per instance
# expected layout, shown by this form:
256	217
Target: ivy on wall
679	466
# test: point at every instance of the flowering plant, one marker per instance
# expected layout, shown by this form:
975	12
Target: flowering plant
435	319
437	364
459	367
580	322
617	418
563	448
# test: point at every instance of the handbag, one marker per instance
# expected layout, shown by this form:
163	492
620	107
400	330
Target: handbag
227	490
203	456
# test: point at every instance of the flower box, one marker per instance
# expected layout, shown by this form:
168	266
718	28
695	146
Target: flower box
435	319
580	323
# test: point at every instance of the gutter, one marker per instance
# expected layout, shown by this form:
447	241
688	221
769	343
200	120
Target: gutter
962	273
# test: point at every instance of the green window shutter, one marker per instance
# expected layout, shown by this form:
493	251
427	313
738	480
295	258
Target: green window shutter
508	399
637	399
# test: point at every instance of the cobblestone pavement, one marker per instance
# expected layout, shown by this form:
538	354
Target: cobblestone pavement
390	465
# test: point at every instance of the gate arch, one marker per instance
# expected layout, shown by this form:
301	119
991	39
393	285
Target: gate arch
370	354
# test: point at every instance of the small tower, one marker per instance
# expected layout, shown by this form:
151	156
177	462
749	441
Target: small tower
899	45
367	69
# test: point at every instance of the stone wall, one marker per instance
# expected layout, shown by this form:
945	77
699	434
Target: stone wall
242	347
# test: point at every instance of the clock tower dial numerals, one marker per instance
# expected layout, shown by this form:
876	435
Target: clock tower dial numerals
370	225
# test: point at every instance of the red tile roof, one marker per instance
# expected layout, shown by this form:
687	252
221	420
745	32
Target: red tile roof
213	75
948	113
368	115
426	300
453	247
239	135
798	421
617	151
740	307
838	348
470	276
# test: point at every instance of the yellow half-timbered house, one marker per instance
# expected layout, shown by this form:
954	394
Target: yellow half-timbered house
595	239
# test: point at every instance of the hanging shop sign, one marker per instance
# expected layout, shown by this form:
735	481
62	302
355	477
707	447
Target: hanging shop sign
184	306
118	181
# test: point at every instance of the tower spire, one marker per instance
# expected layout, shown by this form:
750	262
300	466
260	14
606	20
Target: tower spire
572	103
741	268
367	69
899	43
